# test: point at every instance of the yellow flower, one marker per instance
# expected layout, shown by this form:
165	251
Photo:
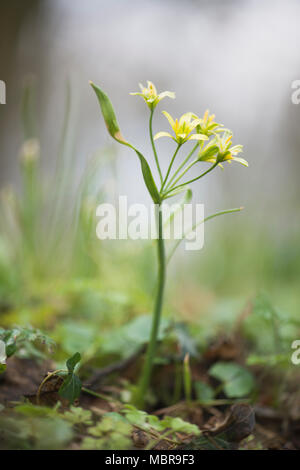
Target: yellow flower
220	150
151	96
208	126
182	128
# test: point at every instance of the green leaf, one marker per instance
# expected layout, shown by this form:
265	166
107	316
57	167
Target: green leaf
186	342
204	392
71	388
23	341
73	361
78	415
36	433
179	425
108	114
146	421
135	416
11	349
114	130
139	329
110	424
148	178
28	409
238	381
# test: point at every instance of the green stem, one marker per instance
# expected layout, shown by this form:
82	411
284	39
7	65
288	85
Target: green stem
170	166
182	164
153	146
150	353
99	395
228	211
174	188
184	171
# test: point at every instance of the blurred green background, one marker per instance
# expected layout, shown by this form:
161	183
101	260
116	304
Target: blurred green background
57	162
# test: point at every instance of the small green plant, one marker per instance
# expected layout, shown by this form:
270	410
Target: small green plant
213	144
25	343
71	386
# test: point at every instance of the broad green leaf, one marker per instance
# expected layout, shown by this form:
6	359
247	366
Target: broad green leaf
139	329
11	349
36	433
204	392
146	421
115	416
110	424
135	416
185	340
71	388
179	425
28	409
78	415
238	381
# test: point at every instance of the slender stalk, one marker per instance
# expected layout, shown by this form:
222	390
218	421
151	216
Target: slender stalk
174	188
153	146
100	395
228	211
150	353
170	166
182	164
184	172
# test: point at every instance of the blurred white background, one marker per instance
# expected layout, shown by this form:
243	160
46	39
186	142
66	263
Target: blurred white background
238	58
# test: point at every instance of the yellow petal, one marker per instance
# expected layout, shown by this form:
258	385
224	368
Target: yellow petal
164	94
194	124
198	137
162	134
170	119
152	87
185	118
240	160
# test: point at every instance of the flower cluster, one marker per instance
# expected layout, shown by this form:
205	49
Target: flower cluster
208	126
220	149
189	127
